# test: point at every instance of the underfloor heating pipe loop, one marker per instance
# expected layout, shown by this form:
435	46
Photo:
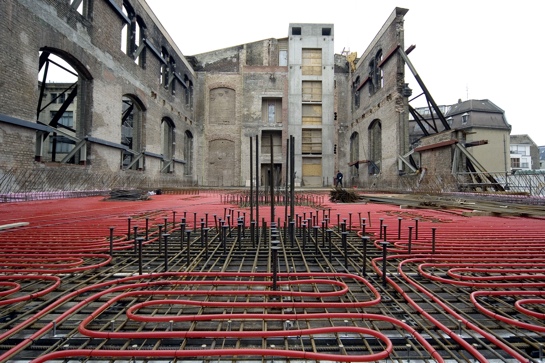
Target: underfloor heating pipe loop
384	245
188	232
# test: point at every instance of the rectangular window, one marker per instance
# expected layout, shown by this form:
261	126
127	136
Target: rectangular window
283	58
272	111
312	142
312	62
515	162
312	114
67	118
312	91
63	144
266	143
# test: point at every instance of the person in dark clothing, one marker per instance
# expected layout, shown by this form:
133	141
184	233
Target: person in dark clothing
339	178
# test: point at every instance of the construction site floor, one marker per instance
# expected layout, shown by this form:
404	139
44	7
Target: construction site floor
201	276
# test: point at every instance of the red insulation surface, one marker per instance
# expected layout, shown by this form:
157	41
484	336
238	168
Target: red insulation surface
493	256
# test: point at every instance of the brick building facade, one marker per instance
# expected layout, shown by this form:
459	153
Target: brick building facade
150	117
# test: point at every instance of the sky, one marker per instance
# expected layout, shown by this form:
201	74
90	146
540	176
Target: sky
479	49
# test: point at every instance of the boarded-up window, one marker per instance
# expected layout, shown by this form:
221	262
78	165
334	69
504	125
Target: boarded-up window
266	143
312	172
272	111
312	91
312	167
312	141
312	114
312	62
222	106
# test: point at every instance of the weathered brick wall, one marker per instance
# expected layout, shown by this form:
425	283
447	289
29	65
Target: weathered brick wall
386	104
91	43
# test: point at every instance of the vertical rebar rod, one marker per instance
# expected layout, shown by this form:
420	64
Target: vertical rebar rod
433	239
409	247
165	236
384	245
188	232
139	240
251	179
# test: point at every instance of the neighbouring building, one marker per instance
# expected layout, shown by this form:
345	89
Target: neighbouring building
480	126
524	153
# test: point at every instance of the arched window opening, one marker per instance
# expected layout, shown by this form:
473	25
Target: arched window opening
188	153
58	108
375	147
131	131
354	153
376	74
167	142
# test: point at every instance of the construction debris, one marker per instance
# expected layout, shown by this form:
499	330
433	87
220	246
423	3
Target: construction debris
342	195
133	194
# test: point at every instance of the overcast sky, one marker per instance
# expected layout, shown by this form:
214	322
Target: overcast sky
478	49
